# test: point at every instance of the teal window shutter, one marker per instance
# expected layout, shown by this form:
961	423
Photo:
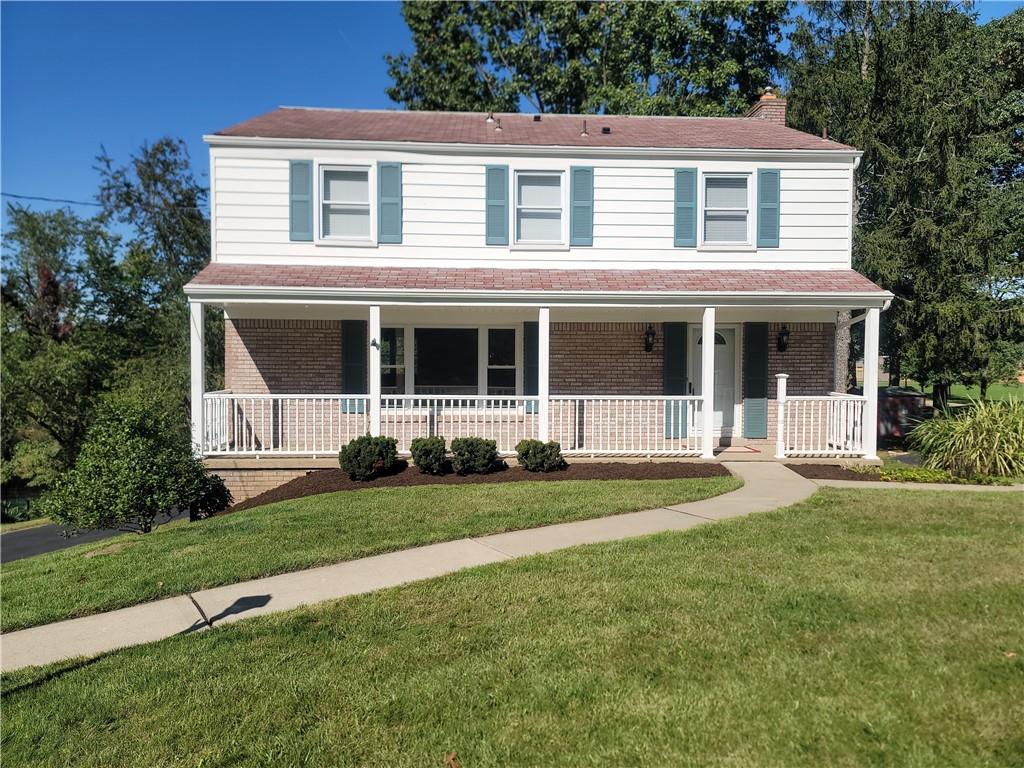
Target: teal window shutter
674	378
496	227
767	208
581	212
300	200
389	202
686	208
531	364
755	380
354	354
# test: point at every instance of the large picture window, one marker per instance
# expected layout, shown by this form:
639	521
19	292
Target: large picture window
538	207
345	203
446	361
449	361
726	210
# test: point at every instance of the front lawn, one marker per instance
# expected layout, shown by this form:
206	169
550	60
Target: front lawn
862	627
302	533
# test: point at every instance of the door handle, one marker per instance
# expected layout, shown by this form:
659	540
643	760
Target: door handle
689	386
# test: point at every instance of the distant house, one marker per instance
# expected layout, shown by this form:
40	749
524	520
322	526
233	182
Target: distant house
623	285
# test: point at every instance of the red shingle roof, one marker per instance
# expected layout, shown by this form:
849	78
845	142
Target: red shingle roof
523	130
533	280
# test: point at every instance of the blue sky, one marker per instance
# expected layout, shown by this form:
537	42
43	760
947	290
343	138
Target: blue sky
79	75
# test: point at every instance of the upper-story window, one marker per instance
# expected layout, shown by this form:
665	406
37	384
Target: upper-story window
726	209
539	204
345	203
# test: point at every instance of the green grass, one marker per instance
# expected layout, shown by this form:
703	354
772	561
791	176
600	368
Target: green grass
302	533
965	393
858	628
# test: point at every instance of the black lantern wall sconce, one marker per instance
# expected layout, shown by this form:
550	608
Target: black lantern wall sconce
649	338
782	342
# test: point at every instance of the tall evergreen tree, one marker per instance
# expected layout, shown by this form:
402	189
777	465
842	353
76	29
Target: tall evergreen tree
923	92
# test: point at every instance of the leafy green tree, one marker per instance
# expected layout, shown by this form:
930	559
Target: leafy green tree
695	58
135	465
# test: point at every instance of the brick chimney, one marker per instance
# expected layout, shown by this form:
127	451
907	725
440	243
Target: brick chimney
769	107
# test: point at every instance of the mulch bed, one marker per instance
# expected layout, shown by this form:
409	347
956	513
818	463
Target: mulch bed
330	480
830	472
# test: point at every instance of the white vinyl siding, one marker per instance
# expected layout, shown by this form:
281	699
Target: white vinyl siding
443	213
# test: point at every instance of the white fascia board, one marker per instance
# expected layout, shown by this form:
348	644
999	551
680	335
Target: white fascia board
842	155
462	298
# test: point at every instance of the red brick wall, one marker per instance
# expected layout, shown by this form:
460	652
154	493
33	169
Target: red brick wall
808	360
282	356
605	359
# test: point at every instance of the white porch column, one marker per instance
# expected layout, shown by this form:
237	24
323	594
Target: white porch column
543	370
871	383
707	383
197	360
780	415
374	375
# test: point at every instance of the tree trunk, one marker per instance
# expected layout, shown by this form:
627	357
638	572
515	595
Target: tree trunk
895	369
940	396
841	362
982	388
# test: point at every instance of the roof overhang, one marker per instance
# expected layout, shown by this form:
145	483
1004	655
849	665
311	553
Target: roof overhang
837	155
250	294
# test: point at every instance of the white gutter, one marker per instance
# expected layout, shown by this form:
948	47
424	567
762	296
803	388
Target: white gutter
215	140
463	297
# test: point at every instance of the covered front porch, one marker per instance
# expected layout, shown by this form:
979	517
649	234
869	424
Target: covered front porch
303	377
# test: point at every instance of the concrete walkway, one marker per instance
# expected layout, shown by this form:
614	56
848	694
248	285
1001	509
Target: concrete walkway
767	485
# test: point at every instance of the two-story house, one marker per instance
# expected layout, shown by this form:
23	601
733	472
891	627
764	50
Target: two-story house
649	286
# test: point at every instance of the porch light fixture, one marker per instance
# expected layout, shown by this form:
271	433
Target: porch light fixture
782	342
649	338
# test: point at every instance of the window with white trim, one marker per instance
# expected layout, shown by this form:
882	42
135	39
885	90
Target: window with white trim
539	202
392	361
726	210
345	203
501	361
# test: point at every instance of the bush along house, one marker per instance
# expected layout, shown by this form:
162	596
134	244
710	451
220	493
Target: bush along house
627	286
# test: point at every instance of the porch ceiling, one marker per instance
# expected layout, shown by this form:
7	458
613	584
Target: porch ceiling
221	281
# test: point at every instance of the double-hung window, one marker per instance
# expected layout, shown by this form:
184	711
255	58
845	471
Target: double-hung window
392	361
345	203
539	202
501	361
726	210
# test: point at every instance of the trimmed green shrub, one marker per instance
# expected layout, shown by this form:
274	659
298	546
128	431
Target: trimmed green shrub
429	454
366	457
214	497
136	462
535	456
474	455
984	439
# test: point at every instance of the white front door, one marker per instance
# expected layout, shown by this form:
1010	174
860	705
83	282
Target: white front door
725	374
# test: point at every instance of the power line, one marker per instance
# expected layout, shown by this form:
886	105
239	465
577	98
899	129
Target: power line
85	202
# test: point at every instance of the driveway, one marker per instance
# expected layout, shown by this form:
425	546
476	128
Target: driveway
30	542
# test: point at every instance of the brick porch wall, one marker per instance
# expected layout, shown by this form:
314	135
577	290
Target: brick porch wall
808	360
283	356
605	359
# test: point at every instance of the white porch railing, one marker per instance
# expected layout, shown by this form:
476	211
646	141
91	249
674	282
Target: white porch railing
281	424
506	420
253	425
604	425
831	425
